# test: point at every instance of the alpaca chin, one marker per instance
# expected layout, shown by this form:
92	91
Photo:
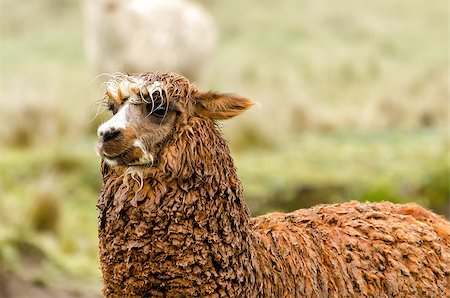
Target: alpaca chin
111	162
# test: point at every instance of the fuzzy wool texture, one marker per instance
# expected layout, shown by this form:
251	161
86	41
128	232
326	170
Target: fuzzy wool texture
353	250
182	229
157	234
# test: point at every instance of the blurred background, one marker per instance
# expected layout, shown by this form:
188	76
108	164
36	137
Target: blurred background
353	104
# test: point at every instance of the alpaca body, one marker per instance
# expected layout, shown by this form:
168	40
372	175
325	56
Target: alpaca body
194	237
353	250
173	221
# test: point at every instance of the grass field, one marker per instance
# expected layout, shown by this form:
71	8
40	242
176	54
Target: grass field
353	104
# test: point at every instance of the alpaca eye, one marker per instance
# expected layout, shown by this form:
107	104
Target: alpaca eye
158	110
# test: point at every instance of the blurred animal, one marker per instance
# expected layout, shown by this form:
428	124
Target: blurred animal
137	35
173	221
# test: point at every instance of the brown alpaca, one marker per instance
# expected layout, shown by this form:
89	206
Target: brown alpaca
173	221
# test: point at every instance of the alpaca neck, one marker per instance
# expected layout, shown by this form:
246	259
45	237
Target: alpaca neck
185	223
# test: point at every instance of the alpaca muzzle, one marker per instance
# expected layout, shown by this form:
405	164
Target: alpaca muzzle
120	147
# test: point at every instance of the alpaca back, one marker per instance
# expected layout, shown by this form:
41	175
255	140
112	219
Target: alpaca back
353	249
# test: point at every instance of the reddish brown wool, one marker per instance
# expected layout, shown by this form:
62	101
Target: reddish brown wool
179	227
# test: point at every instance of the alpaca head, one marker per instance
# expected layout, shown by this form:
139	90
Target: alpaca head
147	109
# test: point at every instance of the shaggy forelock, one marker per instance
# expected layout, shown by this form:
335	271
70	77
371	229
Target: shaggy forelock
141	88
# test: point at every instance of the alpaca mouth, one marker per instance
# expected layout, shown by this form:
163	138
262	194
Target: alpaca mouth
134	155
104	153
114	159
112	156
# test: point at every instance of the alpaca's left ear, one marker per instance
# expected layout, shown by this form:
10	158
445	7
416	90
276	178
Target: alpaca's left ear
220	106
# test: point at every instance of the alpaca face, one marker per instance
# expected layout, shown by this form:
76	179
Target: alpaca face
147	108
142	119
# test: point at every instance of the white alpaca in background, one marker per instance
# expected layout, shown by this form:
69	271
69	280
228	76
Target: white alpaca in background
141	35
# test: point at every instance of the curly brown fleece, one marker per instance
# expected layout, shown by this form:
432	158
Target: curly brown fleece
182	229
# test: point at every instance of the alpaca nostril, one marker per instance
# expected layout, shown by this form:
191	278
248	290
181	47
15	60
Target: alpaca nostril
109	134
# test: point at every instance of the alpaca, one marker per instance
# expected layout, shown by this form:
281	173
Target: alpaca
136	35
173	221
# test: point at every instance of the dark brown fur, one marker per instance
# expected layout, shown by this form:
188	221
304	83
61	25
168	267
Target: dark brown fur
182	229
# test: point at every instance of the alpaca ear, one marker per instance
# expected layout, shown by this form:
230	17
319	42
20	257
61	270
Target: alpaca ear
220	106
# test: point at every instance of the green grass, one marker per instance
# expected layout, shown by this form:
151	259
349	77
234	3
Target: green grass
313	65
336	167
